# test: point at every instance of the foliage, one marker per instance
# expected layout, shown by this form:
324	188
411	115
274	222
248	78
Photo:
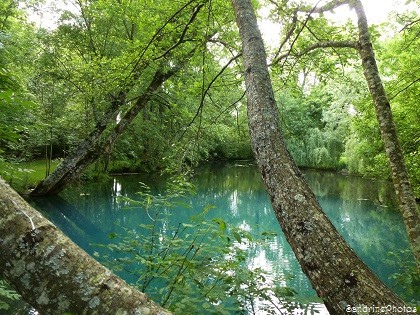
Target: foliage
106	50
6	295
57	84
364	152
8	14
401	64
14	105
24	175
198	266
316	126
408	277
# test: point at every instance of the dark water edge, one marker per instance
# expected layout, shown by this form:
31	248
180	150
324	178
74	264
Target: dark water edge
364	211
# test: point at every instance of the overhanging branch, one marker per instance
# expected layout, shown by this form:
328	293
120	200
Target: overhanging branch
404	89
327	7
318	45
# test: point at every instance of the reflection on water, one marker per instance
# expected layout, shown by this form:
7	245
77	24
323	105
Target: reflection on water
362	210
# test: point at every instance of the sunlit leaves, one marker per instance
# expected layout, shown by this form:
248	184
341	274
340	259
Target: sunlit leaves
316	125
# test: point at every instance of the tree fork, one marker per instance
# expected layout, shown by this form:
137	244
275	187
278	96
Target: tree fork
339	277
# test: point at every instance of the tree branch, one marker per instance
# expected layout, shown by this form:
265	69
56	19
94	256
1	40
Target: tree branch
184	32
205	92
138	60
296	37
288	35
326	44
327	7
404	89
409	25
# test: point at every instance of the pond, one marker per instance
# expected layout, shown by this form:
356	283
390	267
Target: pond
363	211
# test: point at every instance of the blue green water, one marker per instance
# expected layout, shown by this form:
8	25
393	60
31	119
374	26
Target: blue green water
363	211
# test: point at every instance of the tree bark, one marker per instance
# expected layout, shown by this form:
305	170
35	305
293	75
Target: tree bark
97	143
339	277
101	140
52	273
402	186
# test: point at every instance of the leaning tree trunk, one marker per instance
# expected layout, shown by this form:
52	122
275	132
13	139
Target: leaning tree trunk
102	139
52	273
402	186
97	143
339	277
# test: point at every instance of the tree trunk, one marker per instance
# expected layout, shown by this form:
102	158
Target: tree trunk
101	139
402	186
52	273
403	189
339	277
98	142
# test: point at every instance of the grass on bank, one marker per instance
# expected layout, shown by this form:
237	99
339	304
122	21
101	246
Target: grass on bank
23	176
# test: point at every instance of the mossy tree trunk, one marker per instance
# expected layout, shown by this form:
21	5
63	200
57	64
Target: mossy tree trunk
52	273
339	277
402	186
100	141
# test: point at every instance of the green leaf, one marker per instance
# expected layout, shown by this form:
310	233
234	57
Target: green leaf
285	292
206	305
221	223
269	234
4	305
237	237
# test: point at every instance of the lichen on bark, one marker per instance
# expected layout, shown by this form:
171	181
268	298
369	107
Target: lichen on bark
52	273
405	195
339	277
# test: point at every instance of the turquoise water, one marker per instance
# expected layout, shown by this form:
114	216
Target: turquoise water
362	210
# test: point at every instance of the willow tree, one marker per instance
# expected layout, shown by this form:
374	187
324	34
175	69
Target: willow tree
364	47
339	277
129	71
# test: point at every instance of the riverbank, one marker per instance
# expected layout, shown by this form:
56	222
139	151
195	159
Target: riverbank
24	176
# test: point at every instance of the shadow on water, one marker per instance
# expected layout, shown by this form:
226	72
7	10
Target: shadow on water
363	211
68	218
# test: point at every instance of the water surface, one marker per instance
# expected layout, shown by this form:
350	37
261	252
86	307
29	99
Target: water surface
362	210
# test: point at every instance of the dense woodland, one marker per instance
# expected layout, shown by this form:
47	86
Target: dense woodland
57	84
135	86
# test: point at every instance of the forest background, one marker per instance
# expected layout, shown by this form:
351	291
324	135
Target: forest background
57	83
140	87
